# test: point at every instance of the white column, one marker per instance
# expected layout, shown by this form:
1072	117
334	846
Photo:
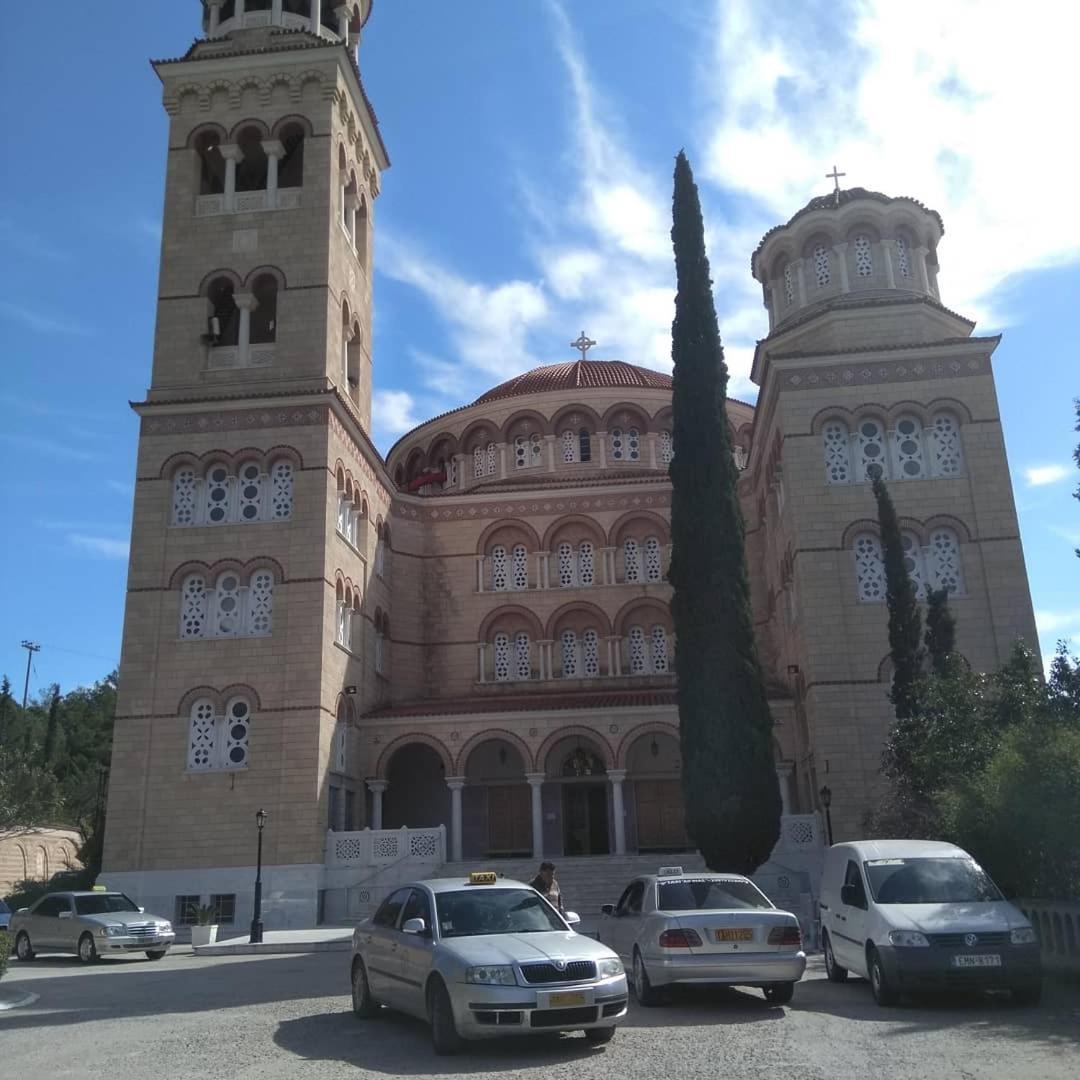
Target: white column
275	12
550	441
886	255
783	774
601	438
617	776
479	573
351	202
377	787
274	153
543	569
651	437
215	16
481	660
502	461
246	303
342	14
232	154
800	282
316	17
536	781
455	784
841	255
240	12
920	266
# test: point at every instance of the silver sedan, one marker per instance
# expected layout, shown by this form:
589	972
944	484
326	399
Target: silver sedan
703	928
482	958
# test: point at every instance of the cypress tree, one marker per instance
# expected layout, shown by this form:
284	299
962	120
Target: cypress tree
49	748
905	621
940	638
729	781
5	707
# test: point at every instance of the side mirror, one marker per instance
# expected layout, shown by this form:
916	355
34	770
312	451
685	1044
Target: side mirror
572	918
849	894
142	911
607	909
64	914
22	911
414	926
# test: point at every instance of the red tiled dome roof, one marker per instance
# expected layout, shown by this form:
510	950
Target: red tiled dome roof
580	375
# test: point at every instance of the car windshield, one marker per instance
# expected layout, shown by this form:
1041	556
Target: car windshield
929	881
709	894
103	903
480	910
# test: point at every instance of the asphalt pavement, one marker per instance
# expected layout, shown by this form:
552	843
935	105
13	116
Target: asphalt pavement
270	1017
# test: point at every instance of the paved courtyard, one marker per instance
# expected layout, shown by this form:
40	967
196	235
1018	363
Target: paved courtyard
289	1017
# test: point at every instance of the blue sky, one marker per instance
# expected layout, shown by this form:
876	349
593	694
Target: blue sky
532	146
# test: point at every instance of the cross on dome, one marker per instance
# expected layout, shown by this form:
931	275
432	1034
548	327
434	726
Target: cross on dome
834	176
583	344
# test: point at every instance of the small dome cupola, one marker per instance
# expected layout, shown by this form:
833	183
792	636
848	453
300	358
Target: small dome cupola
340	20
850	242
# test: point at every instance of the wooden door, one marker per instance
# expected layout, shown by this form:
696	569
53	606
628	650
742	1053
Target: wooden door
661	824
509	820
585	819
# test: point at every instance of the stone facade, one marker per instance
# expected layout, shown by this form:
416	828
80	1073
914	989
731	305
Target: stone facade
474	632
36	853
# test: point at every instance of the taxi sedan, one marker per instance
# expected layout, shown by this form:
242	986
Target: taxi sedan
484	957
703	928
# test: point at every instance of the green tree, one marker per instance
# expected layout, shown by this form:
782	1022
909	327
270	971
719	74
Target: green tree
1076	457
7	705
905	621
729	780
48	750
940	640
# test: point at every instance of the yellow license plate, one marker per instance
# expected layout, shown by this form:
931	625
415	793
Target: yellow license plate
739	934
563	1001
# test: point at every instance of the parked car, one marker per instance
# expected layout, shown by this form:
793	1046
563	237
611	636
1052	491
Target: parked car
482	958
704	928
922	915
89	924
5	915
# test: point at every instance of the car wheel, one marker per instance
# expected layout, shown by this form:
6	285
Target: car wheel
363	1004
599	1036
644	990
156	954
833	971
444	1032
884	994
87	949
779	993
1027	993
23	949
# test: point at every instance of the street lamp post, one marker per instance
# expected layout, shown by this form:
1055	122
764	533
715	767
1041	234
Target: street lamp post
826	801
256	920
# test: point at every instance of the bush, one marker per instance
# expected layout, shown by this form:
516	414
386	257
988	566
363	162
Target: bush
5	951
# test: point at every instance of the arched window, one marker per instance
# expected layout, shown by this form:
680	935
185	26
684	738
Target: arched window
249	490
382	627
590	654
948	454
224	327
569	654
586	564
237	729
264	314
260	607
185	496
864	262
667	448
478	462
520	574
943	559
219	741
567	566
227	619
491	457
869	568
341	741
789	284
221	498
869	450
908	461
360	232
500	579
211	164
658	651
341	617
625	444
528	451
502	657
291	166
654	567
281	490
913	562
631	561
639	656
252	168
584	445
822	270
569	447
522	655
903	265
193	606
837	449
218	509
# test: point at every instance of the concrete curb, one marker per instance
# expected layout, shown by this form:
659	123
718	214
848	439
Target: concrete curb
272	948
16	1002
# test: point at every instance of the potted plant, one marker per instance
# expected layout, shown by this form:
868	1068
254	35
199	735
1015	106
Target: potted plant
204	932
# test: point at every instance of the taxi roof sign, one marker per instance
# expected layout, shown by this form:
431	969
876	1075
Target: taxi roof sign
670	871
483	877
98	888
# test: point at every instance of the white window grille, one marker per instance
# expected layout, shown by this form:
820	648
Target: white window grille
250	491
590	654
567	566
499	579
201	736
478	462
220	498
667	448
527	451
193	606
228	614
260	603
869	568
569	447
870	450
380	651
341	624
822	271
638	655
522	656
659	650
654	567
185	494
342	513
281	490
903	266
914	563
633	445
237	729
217	495
451	474
584	445
219	742
631	561
948	455
908	462
586	564
864	263
340	745
789	284
502	657
569	654
837	461
520	567
491	457
618	445
943	556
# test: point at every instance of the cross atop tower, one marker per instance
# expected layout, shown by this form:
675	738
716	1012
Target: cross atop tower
583	344
834	176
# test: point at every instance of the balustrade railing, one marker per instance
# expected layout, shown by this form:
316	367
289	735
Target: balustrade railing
247	202
1057	926
375	847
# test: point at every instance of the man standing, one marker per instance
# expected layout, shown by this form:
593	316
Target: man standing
546	885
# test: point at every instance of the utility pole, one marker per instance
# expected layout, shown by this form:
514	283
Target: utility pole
30	648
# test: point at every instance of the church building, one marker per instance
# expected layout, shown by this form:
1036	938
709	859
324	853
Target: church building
468	643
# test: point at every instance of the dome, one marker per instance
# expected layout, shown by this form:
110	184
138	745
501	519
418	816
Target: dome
579	375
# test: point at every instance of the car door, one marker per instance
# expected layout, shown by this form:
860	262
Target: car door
44	928
626	925
379	948
849	934
416	952
68	927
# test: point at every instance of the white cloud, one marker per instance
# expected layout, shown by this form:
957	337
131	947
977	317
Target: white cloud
393	413
100	545
1050	622
1041	475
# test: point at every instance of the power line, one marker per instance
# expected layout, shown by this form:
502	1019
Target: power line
31	648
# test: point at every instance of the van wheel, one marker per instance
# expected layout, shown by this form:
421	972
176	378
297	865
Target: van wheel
23	949
884	994
87	949
779	993
444	1032
599	1036
156	954
1027	993
833	971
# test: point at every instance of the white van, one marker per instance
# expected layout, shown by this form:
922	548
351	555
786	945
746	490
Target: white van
922	915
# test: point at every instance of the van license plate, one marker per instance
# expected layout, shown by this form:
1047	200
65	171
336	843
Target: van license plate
564	1001
977	961
742	933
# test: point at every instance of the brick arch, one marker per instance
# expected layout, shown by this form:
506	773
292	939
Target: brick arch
591	525
652	727
663	419
275	272
661	523
784	256
578	606
909	408
948	521
529	617
862	525
289	118
178	461
201	129
192	566
242	690
183	707
452	443
570	732
402	741
831	412
480	433
283	450
590	419
948	404
250	121
828	235
870	227
541	422
350	710
484	541
224	272
640	417
489	735
641	604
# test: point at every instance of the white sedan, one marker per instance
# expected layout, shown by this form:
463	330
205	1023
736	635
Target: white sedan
703	928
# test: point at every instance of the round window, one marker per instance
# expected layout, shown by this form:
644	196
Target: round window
870	431
239	710
219	476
